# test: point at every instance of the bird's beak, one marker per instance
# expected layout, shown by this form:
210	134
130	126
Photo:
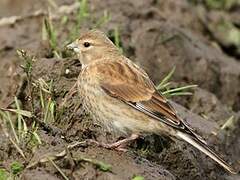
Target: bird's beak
74	47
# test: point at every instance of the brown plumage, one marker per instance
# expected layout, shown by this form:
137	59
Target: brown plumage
121	96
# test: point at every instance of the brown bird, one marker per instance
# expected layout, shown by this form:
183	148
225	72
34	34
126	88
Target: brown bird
120	95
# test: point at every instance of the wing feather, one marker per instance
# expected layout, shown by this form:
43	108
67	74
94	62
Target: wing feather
130	84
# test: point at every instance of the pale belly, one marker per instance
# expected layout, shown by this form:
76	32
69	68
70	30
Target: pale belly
113	114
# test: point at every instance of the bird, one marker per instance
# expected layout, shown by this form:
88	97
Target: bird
121	97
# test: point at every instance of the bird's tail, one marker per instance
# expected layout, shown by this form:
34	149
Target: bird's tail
205	149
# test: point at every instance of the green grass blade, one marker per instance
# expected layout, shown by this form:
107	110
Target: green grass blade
12	127
179	89
166	79
46	111
37	137
19	117
41	99
103	20
164	86
180	94
50	33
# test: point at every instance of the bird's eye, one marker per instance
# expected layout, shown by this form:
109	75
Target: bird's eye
86	44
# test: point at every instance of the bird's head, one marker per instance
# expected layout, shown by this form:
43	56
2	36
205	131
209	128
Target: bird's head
93	45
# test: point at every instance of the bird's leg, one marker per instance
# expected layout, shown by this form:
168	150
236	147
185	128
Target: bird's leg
119	145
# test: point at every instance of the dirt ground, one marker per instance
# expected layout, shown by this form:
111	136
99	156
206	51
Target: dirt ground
157	35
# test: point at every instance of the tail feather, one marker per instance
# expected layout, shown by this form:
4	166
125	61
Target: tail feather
205	149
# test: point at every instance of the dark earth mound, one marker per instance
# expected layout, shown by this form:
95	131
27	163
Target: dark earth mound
157	35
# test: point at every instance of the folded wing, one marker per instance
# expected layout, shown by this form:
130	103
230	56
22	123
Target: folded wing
130	84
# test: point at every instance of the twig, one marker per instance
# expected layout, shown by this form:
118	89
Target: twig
58	155
18	148
230	124
12	141
59	170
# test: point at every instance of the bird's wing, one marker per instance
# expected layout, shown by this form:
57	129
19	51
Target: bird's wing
132	85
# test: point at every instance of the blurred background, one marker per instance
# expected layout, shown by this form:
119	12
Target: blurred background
194	43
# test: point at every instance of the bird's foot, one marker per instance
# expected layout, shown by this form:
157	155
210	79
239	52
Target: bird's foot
119	145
